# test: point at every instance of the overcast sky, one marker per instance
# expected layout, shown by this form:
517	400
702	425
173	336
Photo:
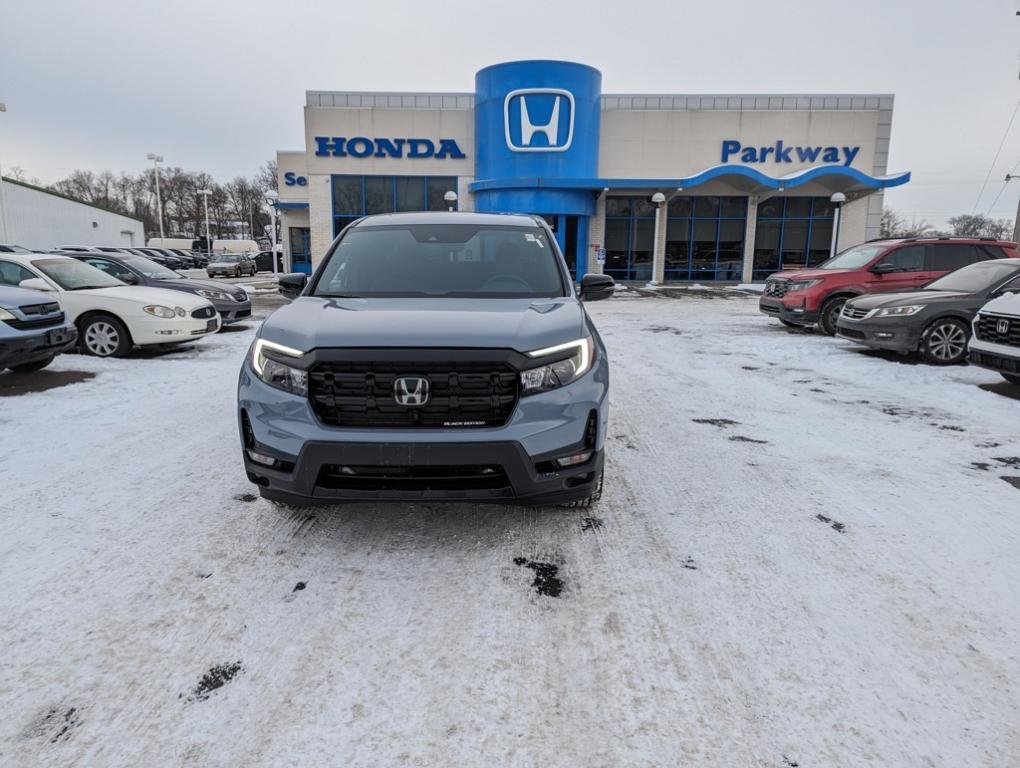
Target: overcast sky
219	85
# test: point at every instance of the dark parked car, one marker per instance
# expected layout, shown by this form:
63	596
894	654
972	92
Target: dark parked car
33	329
168	259
264	261
232	302
936	320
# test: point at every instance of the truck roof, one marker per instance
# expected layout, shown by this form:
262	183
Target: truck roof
448	217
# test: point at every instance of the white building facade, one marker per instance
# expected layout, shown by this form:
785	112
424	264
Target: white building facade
641	187
39	219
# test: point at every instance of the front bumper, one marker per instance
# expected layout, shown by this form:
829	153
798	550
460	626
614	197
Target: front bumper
895	337
232	311
30	347
1001	358
774	307
146	331
541	428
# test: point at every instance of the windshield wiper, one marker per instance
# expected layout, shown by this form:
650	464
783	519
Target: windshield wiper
338	296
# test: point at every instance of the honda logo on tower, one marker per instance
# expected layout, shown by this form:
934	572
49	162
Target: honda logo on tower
411	391
539	120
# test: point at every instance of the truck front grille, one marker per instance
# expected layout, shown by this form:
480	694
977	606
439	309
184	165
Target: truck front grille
413	478
998	329
777	288
37	321
461	394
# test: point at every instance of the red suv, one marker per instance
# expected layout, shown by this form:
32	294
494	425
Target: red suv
803	297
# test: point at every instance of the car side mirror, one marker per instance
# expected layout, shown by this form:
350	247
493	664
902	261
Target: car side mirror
597	287
35	284
883	269
129	279
293	283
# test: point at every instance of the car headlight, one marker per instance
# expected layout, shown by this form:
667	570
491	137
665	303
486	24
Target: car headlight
802	285
561	372
208	294
277	374
167	313
5	315
904	311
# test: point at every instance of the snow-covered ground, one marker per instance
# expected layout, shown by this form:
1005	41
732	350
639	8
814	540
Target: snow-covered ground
805	556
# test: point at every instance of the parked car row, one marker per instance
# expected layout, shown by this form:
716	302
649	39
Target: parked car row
107	302
173	258
943	298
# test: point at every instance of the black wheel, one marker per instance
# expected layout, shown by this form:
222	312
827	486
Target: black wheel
588	500
104	336
38	365
252	273
829	315
1012	378
788	324
237	272
944	342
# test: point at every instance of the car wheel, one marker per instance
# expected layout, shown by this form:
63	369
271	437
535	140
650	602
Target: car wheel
829	315
104	336
38	365
237	272
1012	379
588	500
944	342
252	273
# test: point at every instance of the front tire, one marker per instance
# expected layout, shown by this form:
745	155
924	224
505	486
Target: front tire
104	336
829	315
944	342
38	365
1012	379
237	272
588	500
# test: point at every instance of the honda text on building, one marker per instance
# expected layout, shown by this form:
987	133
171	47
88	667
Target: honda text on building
660	187
431	356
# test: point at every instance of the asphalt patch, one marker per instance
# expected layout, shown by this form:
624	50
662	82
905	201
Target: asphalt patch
744	439
984	466
721	423
1004	388
665	329
246	497
627	443
14	384
750	368
1009	461
546	582
1014	481
689	564
54	724
592	524
299	586
840	527
789	763
214	679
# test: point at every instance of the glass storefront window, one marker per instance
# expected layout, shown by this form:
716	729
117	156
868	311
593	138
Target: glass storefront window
438	187
678	245
378	194
792	233
410	193
617	247
356	196
347	195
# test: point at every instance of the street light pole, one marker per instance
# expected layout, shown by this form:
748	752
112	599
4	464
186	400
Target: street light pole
156	160
3	200
271	198
1016	221
205	198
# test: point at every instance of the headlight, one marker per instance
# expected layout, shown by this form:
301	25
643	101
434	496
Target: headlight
561	372
5	315
802	285
275	373
905	311
160	311
204	292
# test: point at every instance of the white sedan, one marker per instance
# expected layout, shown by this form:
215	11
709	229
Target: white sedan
112	316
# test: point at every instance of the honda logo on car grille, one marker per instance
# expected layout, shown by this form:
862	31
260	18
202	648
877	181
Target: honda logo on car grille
1002	327
539	120
411	390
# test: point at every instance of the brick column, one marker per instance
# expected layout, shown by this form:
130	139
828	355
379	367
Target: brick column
750	226
659	247
596	235
320	215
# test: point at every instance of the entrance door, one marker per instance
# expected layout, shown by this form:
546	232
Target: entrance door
300	249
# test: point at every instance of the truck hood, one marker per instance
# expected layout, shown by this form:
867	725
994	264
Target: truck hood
1007	304
309	322
807	274
876	300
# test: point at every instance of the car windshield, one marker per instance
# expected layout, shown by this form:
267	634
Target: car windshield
73	275
13	249
853	258
975	277
442	260
228	258
149	268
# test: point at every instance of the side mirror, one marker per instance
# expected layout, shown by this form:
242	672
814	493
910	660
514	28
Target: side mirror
596	287
35	284
883	269
129	278
292	284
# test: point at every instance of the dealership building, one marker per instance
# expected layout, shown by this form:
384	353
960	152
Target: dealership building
649	187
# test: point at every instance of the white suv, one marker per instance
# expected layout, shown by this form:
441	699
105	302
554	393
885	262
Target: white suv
995	343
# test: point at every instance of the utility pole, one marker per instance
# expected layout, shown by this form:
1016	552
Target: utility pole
1016	221
156	160
4	220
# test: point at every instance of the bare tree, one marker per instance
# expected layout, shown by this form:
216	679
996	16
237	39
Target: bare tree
976	225
893	225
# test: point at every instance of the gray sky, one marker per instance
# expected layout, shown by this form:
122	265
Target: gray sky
219	85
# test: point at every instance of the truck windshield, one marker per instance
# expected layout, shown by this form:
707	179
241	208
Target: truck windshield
443	261
853	258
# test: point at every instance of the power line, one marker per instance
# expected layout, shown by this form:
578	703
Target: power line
1002	189
996	158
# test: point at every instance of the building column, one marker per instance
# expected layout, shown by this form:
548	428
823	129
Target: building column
750	226
659	244
596	236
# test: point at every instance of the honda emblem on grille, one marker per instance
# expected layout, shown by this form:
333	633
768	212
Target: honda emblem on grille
1002	327
411	391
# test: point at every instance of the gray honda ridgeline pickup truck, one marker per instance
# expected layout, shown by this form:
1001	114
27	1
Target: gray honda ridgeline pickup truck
432	356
